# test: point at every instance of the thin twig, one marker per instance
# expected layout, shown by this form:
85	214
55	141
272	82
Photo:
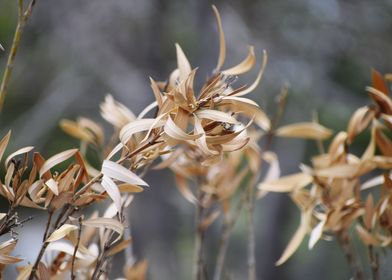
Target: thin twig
198	269
23	16
47	226
45	244
129	257
374	263
228	224
351	257
73	276
251	233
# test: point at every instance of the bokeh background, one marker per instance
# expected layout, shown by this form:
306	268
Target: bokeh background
75	52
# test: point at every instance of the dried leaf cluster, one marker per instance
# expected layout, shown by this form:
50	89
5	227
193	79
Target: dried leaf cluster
209	138
343	190
204	137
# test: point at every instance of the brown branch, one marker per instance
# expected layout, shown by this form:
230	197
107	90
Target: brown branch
73	277
198	269
251	233
23	16
47	226
374	263
228	225
45	244
351	256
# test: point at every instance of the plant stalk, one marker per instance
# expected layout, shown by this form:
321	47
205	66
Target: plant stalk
23	16
350	254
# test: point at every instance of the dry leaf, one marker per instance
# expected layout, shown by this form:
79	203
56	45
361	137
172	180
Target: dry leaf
113	191
222	43
18	152
182	63
4	143
296	240
61	232
305	130
244	66
56	159
118	172
287	183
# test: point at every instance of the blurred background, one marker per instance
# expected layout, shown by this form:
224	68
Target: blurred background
74	52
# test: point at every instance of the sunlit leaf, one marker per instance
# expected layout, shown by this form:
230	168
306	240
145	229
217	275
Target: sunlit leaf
56	159
182	63
222	43
287	183
120	173
305	130
113	191
296	240
3	143
61	232
244	66
18	152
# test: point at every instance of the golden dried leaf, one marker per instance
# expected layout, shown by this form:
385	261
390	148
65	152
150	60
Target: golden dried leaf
105	223
6	259
138	126
53	186
56	159
73	129
202	141
157	92
253	86
381	99
296	240
118	172
316	234
173	131
116	113
244	66
130	188
378	82
113	191
359	121
247	107
366	236
43	272
287	183
215	115
338	171
182	64
119	247
307	130
3	143
24	274
18	152
222	43
61	232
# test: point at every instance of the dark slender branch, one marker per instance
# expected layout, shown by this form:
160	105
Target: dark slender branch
374	263
351	256
198	269
228	224
73	277
251	233
45	244
47	226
